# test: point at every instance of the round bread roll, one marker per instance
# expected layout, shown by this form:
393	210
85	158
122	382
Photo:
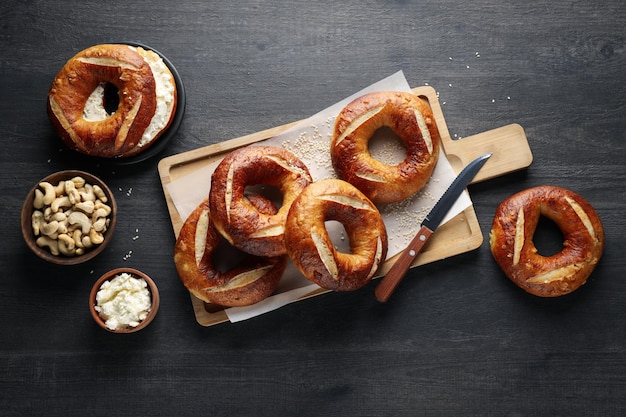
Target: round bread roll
409	118
310	247
146	96
244	226
511	240
243	285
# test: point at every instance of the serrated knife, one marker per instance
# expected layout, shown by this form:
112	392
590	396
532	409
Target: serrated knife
390	281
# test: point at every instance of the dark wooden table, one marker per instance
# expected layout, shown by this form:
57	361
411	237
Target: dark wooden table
458	338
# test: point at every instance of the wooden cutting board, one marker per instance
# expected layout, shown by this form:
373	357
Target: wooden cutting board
508	144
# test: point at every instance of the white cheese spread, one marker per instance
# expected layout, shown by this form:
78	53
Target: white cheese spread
123	301
165	88
94	110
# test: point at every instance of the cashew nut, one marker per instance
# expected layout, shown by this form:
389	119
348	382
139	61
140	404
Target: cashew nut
37	221
99	205
80	218
38	200
59	189
85	206
101	212
96	237
62	227
100	224
47	213
52	244
72	192
100	193
79	182
77	235
86	242
66	245
60	202
86	193
59	216
49	229
49	192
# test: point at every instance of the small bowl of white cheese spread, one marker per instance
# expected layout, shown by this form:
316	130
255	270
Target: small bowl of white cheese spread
124	300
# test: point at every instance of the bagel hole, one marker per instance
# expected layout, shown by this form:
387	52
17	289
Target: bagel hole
386	146
548	238
338	235
270	192
226	257
111	98
101	103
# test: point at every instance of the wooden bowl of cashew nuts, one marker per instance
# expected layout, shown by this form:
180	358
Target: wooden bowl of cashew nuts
68	217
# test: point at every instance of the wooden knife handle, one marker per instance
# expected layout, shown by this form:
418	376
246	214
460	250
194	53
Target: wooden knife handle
390	281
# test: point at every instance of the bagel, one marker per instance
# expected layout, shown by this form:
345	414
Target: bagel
243	285
410	119
511	240
235	218
310	247
146	95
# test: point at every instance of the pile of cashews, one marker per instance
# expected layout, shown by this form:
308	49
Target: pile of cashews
71	217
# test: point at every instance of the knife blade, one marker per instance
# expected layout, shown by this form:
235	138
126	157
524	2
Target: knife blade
432	220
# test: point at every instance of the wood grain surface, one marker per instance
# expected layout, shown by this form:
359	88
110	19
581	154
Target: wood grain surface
458	339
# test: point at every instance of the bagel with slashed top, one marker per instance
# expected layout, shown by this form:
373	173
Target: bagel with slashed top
249	282
411	119
512	246
310	247
243	225
78	103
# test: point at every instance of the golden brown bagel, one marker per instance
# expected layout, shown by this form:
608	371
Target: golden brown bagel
235	218
511	240
242	285
147	100
310	247
409	118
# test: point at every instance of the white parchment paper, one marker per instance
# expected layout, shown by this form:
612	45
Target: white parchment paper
310	141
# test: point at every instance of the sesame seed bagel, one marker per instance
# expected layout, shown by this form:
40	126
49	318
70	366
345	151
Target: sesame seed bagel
310	247
77	100
411	120
235	218
245	284
511	240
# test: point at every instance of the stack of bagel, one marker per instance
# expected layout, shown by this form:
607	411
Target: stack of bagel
266	233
